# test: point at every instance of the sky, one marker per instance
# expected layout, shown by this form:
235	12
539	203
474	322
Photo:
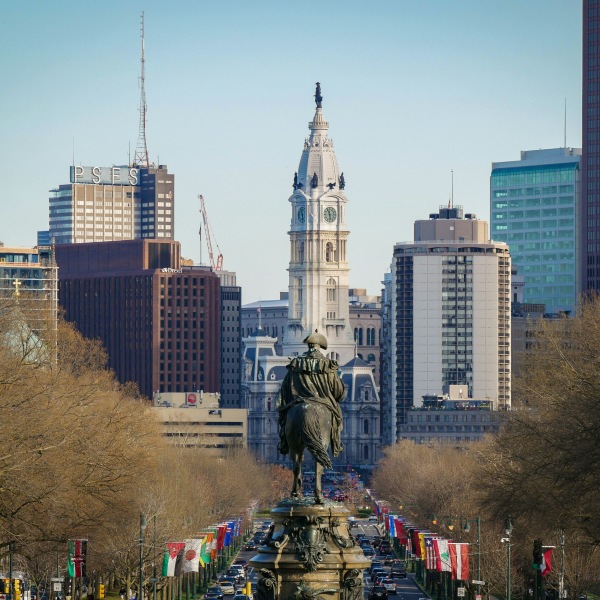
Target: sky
413	92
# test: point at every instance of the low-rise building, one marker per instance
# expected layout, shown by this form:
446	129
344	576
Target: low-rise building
196	420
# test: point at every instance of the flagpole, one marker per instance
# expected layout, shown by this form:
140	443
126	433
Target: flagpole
140	595
561	575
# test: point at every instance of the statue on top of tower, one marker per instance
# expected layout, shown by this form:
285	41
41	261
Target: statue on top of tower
318	97
314	182
342	182
295	184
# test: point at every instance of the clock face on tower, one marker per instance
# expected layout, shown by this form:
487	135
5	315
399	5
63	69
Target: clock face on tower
330	214
301	214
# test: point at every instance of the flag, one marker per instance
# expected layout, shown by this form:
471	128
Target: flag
391	525
416	546
77	554
459	559
422	535
191	555
173	555
206	549
442	555
221	531
546	565
429	553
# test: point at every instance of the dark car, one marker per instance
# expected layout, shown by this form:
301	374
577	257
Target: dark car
378	592
368	552
398	569
250	546
375	564
215	591
378	572
389	559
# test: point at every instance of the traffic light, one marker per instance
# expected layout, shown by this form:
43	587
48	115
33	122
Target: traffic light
5	586
17	585
101	592
537	553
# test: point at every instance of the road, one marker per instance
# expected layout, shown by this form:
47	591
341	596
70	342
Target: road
406	589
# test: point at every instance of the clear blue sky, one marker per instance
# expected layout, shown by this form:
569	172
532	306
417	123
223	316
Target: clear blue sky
412	90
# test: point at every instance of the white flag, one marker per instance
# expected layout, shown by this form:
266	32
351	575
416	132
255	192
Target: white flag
191	555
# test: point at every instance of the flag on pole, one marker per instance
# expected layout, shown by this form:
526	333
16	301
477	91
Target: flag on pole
442	555
206	549
77	555
546	565
430	562
173	555
191	555
459	559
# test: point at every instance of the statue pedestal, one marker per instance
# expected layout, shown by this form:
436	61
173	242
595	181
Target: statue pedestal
310	554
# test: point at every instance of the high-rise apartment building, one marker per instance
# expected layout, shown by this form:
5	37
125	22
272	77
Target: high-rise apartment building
113	203
535	207
590	157
447	316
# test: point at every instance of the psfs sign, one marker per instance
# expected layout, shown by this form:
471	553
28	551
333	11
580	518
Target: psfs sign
105	175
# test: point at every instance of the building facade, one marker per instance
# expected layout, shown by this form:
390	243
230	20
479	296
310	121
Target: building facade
318	267
318	298
590	156
231	341
447	316
160	322
102	204
197	420
449	419
535	207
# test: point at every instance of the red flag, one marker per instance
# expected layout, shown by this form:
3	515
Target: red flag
459	559
546	565
221	536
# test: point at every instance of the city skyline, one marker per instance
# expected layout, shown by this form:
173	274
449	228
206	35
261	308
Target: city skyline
412	93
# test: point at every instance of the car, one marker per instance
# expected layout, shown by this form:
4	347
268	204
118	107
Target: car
239	595
398	569
215	591
373	519
238	574
242	562
250	546
375	564
227	585
368	552
378	592
389	559
211	596
389	585
377	573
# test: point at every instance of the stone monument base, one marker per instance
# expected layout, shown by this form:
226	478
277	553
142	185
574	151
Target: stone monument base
310	554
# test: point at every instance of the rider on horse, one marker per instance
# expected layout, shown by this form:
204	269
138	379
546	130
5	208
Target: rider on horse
312	377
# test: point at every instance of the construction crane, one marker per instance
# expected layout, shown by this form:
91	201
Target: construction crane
218	265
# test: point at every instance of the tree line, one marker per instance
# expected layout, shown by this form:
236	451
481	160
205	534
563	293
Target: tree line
82	456
542	470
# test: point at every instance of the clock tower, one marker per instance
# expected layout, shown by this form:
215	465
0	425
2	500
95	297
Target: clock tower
318	270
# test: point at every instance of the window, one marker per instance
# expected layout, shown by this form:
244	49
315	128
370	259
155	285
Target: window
366	426
331	290
358	335
329	252
301	252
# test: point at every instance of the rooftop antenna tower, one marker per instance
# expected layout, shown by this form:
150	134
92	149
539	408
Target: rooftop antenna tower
565	127
141	151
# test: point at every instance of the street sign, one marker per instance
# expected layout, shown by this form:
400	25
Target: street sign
478	596
61	579
476	582
56	587
460	592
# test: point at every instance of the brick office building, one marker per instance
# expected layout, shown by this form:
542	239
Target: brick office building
160	322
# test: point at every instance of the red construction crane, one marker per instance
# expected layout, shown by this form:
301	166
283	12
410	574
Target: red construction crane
218	265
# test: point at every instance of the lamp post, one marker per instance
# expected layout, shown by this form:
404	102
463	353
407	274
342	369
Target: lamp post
467	528
143	525
154	564
508	530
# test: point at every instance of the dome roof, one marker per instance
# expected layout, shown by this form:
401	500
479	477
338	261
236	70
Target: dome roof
318	157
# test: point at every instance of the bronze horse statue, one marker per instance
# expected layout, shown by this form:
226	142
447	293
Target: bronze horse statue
309	413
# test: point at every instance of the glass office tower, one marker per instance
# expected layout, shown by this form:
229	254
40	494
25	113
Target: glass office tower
535	205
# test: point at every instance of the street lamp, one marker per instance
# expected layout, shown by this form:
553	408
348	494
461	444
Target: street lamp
508	530
143	525
467	528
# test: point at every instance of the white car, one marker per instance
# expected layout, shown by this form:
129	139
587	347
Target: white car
227	587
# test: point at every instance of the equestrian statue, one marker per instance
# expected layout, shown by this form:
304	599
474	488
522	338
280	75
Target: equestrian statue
310	416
